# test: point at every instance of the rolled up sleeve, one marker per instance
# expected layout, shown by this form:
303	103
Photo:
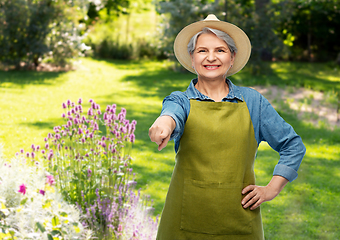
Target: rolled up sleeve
282	138
174	106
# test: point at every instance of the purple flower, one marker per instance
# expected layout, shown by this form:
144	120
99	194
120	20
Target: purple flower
99	112
93	105
80	101
42	192
33	147
57	136
33	154
22	151
68	102
47	146
80	131
43	151
64	105
69	123
90	100
22	189
89	172
63	115
132	138
27	154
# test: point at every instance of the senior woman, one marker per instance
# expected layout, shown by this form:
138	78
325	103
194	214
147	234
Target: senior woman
217	128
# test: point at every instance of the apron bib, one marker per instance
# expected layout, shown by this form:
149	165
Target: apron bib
214	162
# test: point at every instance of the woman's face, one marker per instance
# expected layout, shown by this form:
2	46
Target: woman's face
211	58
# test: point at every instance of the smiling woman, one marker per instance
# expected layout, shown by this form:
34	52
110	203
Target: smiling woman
212	60
217	128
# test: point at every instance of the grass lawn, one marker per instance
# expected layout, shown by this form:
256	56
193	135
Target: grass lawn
306	209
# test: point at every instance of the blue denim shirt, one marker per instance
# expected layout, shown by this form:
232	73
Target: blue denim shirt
268	124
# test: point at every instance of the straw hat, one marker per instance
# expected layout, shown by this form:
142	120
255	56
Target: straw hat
240	38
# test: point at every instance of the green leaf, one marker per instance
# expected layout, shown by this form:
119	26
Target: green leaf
63	214
55	221
56	232
49	237
41	227
23	201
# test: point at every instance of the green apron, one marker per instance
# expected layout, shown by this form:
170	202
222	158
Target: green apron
214	162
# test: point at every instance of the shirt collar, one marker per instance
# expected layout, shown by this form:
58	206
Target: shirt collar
193	93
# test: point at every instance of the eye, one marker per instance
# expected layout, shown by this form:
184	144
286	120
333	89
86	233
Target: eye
201	50
221	50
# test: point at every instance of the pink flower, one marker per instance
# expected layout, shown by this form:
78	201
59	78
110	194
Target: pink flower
120	228
50	180
22	189
42	192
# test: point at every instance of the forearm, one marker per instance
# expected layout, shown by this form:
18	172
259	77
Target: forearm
276	184
256	195
161	130
165	121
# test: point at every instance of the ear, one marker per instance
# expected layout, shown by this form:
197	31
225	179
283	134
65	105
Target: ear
232	58
192	60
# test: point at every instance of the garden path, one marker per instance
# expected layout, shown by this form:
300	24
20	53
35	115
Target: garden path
311	106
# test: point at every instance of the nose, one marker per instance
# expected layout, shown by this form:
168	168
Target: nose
211	57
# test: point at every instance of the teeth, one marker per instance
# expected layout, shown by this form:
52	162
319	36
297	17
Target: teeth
211	66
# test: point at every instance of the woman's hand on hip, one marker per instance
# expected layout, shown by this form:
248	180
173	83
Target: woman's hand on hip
256	195
161	130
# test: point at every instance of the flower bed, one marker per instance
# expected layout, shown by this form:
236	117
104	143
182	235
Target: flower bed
88	160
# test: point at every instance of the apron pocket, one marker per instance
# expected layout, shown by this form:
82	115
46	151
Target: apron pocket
214	208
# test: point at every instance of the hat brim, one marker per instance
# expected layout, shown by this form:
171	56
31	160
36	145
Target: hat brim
240	38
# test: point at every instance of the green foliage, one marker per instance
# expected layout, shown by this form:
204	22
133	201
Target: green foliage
132	36
314	26
33	31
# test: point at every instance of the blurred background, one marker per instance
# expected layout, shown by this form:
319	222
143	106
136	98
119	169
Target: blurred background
120	51
33	32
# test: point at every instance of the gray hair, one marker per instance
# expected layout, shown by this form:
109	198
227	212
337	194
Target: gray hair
220	34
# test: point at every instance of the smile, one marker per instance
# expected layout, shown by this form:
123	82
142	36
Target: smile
211	67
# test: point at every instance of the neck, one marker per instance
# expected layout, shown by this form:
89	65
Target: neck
216	90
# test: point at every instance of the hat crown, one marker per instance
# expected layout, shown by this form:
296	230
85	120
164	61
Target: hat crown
211	17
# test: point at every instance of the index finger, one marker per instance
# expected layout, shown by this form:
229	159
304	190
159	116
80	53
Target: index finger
248	189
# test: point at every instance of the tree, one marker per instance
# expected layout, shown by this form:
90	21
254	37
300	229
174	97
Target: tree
312	26
34	30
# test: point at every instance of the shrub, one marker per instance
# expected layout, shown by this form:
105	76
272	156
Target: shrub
32	208
33	31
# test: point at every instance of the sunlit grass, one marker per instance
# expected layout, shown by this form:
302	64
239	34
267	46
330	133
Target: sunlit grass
308	208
